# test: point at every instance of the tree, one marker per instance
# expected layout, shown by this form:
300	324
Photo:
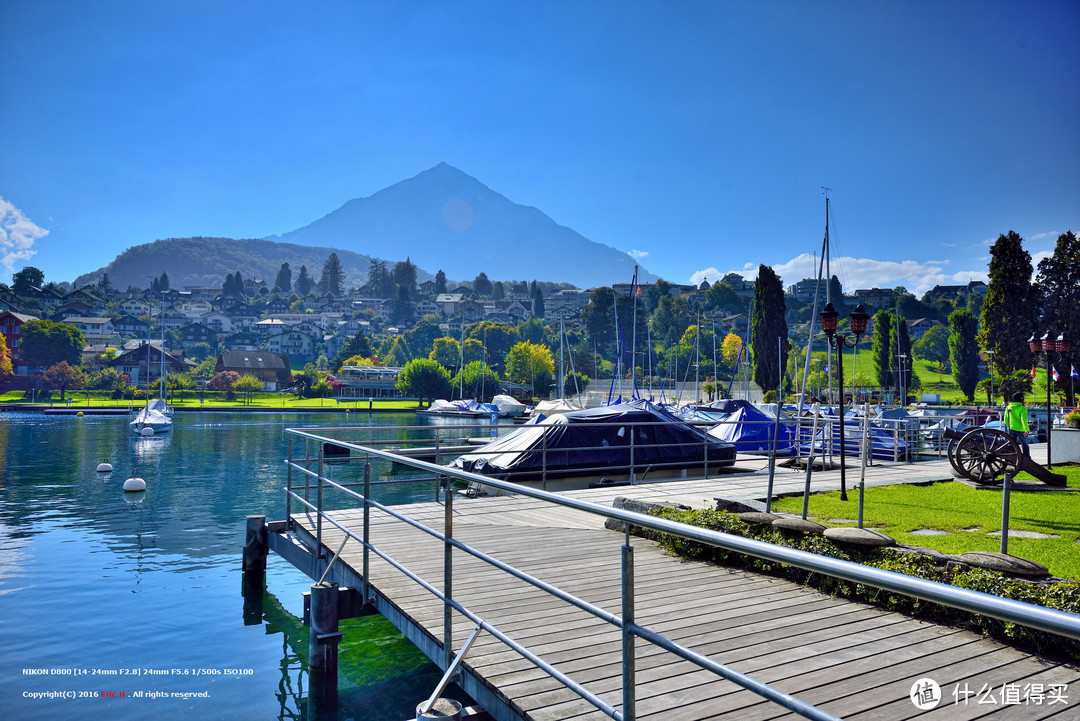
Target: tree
766	326
574	383
1010	311
379	280
105	285
532	329
404	274
283	282
180	382
882	348
933	346
598	318
538	303
900	345
301	383
720	297
397	355
660	289
481	284
5	360
1059	278
525	360
730	350
224	381
45	343
669	321
356	345
333	276
424	378
422	335
304	283
27	278
247	384
64	376
963	351
440	282
477	379
498	338
401	307
498	291
201	350
446	352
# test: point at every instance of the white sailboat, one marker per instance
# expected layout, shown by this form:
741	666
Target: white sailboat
156	417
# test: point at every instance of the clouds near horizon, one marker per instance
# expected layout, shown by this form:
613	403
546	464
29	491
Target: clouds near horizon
17	235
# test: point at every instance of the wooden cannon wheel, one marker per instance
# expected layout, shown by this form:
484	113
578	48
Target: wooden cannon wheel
984	455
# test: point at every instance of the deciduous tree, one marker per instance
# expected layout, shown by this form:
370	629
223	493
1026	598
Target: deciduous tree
45	343
425	379
525	360
26	278
64	376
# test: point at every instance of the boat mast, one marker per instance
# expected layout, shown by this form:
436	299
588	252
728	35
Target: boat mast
828	293
634	291
562	367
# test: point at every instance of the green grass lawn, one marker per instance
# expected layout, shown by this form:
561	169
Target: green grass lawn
966	515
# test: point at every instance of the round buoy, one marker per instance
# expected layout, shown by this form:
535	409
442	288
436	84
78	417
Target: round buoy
104	466
134	484
79	414
146	431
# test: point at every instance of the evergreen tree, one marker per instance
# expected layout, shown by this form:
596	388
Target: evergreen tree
440	282
401	307
379	280
105	285
963	351
1010	311
598	318
538	303
882	348
333	276
283	282
304	283
404	274
498	292
768	325
900	345
482	285
1059	278
163	282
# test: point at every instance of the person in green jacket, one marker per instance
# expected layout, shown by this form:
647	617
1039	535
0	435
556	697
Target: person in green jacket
1016	420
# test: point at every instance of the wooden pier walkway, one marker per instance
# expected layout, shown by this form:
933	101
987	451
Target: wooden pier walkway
851	659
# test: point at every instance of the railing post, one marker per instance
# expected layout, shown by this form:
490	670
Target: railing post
628	660
319	505
288	485
630	426
367	528
543	461
448	578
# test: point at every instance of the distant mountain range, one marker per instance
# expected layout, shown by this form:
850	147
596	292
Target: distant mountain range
442	219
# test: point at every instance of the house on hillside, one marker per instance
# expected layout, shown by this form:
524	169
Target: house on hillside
194	333
267	366
299	347
875	299
133	361
135	306
92	326
11	324
129	326
244	340
917	328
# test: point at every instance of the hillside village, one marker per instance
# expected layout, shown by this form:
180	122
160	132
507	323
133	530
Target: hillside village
272	329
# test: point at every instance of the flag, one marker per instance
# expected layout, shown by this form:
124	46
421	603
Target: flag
1032	371
1056	377
1074	373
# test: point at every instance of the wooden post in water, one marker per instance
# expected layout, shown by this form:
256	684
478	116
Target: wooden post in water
323	637
256	549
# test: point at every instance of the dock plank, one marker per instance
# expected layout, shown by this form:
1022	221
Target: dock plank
852	659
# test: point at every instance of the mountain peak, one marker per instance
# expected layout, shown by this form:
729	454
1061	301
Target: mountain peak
446	219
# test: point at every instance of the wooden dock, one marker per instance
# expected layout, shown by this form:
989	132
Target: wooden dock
853	660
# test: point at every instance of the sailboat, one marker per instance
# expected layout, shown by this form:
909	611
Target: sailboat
156	417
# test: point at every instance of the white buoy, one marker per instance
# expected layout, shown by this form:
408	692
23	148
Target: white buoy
134	484
104	466
146	431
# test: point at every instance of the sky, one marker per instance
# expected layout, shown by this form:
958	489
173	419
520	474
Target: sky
696	136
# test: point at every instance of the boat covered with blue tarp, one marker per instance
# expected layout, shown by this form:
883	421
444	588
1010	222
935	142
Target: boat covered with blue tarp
599	441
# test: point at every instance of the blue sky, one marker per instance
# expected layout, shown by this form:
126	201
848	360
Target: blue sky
696	135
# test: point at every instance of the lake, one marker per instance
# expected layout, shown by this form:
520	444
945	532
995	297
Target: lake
129	606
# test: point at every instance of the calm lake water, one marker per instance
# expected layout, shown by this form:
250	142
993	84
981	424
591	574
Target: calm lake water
114	593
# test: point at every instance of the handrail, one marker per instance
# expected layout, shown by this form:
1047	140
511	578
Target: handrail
1053	621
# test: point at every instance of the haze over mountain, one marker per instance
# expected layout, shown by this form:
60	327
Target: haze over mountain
442	219
445	219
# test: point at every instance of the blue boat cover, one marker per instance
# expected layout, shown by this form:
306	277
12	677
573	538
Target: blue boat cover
751	430
597	441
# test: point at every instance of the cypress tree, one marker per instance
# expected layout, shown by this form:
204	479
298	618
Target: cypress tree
767	325
963	351
1059	278
882	348
283	282
1010	311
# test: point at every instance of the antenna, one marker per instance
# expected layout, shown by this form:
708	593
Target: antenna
826	191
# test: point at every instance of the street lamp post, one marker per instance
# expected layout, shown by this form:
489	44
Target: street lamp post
858	319
1048	344
990	367
903	390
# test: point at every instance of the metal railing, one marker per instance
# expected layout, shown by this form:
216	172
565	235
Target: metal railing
1036	617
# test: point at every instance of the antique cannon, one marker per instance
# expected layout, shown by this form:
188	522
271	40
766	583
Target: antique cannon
985	455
